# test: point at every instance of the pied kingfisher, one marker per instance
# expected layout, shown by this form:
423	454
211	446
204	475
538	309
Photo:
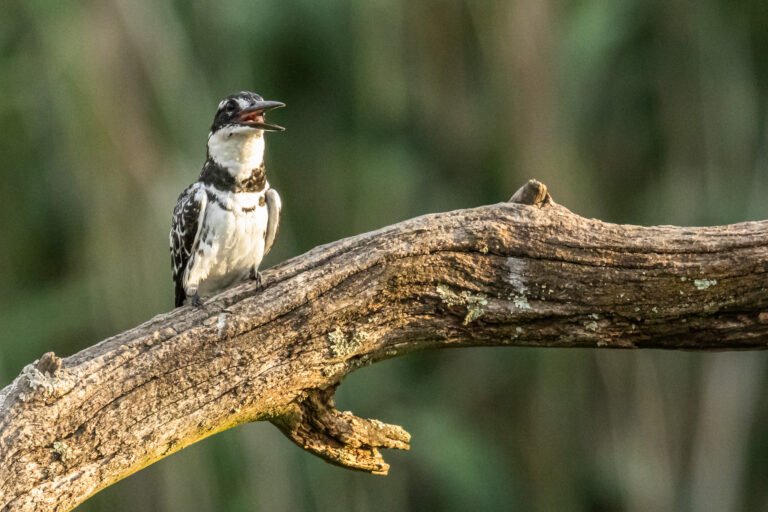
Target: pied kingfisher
225	222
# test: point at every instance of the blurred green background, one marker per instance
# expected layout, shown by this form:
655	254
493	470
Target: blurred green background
631	111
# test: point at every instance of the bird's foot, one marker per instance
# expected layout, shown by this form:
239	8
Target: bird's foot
255	275
196	300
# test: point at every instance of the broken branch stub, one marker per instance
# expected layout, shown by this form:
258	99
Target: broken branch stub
533	193
521	273
339	437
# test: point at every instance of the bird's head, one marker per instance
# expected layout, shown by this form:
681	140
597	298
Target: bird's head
244	112
236	140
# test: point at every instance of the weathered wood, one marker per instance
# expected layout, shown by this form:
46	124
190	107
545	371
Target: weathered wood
506	274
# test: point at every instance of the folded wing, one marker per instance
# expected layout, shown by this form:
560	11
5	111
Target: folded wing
185	234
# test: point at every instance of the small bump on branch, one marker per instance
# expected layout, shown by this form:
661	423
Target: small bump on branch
533	193
49	363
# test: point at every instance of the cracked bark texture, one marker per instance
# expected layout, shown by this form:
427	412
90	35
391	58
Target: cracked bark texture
522	273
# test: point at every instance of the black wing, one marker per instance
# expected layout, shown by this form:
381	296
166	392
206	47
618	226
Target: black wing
185	226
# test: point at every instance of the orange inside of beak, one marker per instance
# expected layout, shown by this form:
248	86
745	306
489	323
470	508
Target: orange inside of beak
252	117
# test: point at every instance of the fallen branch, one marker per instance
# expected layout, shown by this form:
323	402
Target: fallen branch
512	274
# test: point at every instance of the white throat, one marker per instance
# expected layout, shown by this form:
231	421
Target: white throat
238	149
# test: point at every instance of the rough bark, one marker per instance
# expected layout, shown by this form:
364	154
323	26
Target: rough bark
508	274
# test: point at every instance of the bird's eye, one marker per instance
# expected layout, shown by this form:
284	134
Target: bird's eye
230	106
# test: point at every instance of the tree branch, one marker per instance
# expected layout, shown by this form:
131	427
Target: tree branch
509	274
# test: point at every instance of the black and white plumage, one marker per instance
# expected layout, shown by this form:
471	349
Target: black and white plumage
226	222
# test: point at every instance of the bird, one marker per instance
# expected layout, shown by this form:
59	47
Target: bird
226	222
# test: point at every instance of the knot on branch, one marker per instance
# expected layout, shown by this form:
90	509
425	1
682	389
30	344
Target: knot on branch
340	437
44	380
533	193
49	364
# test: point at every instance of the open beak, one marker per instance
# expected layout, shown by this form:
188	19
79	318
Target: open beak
253	116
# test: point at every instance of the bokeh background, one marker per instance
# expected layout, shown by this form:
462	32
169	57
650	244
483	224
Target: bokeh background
639	111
